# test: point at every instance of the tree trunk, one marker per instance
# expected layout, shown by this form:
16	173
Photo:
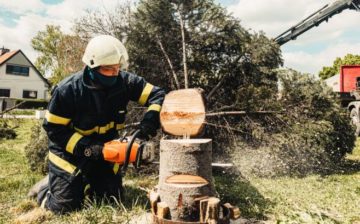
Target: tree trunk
185	176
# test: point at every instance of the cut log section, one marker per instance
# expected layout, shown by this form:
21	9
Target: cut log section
185	176
185	179
183	112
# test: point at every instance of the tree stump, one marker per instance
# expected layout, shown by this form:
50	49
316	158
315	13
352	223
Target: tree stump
185	176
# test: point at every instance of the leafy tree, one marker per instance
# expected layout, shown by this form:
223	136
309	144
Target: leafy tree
329	71
46	43
221	56
60	54
195	43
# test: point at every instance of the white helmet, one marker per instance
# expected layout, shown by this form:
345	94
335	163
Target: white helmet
105	50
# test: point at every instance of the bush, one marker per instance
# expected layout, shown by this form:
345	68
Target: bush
313	134
37	150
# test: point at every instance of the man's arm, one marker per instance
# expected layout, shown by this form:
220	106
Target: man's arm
57	123
148	95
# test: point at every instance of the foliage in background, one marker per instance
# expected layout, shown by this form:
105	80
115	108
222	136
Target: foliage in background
60	54
329	71
237	70
36	150
313	133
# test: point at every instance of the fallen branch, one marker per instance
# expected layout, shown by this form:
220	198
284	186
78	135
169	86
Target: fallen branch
241	113
12	108
169	62
212	92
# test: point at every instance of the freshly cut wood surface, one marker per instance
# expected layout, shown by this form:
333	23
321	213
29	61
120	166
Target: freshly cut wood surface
183	112
185	179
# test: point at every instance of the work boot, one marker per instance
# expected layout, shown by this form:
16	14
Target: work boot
34	190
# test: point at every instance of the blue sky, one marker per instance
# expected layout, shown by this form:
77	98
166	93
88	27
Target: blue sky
20	20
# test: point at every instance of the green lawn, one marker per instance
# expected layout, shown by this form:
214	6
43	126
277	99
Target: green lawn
330	198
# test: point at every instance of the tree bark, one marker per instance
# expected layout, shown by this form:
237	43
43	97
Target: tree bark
185	176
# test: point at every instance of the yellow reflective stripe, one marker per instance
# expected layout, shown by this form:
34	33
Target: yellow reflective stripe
52	118
145	93
72	142
61	163
86	132
116	168
97	129
155	107
120	126
104	129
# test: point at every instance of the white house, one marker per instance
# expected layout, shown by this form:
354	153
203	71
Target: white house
19	78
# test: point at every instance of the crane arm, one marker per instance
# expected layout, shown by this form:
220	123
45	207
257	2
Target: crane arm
316	18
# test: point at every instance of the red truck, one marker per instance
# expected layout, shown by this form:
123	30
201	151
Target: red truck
347	84
350	84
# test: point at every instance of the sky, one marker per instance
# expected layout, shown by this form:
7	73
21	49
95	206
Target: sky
20	20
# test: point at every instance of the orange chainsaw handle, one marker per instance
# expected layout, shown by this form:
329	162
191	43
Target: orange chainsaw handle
115	151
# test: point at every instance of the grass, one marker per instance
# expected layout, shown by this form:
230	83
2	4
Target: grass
22	112
317	198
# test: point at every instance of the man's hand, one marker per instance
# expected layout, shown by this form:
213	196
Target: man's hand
94	151
147	130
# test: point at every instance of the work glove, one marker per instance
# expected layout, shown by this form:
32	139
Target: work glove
147	130
94	151
115	151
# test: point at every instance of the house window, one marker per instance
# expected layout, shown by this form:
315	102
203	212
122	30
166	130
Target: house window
5	92
30	94
17	70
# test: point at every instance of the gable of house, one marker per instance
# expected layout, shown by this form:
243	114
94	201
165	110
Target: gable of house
19	78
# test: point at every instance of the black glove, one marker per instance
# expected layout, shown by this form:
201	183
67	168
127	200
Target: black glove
147	130
94	151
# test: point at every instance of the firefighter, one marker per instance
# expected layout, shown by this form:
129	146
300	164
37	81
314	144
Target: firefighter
85	113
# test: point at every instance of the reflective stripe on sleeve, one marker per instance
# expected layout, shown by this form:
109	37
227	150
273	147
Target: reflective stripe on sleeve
52	118
72	142
145	93
61	163
87	132
155	107
104	129
97	129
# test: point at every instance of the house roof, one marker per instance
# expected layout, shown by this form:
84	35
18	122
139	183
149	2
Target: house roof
5	57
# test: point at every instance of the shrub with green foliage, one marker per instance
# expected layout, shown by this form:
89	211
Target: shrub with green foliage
36	150
312	134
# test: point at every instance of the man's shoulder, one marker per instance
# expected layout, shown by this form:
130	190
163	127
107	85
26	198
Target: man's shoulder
70	83
129	77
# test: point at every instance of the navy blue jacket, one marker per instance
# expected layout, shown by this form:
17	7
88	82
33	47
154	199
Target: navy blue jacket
80	114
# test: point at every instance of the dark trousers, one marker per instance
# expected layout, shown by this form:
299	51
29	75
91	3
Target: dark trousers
66	192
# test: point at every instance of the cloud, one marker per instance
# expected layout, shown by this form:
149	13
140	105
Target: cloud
315	48
312	50
21	7
313	62
273	16
34	15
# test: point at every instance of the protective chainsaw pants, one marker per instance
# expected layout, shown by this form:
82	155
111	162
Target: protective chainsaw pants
66	192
